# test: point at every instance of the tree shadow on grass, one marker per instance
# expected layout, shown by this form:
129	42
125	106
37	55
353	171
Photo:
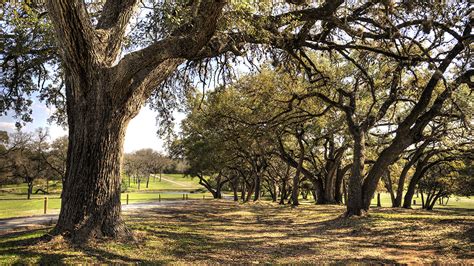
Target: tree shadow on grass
17	248
274	233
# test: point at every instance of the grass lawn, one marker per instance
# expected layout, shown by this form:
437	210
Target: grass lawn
13	202
454	202
217	231
168	182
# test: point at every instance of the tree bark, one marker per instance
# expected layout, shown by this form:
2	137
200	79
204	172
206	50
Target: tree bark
296	179
257	187
91	199
332	165
355	203
341	172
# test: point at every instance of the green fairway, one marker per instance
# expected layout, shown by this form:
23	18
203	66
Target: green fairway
168	182
454	202
14	203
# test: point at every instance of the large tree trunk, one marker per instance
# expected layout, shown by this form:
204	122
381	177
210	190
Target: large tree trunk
339	183
296	183
355	203
91	194
257	187
318	190
243	188
332	165
235	187
219	187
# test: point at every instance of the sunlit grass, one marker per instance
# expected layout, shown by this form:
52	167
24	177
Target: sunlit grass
216	231
13	202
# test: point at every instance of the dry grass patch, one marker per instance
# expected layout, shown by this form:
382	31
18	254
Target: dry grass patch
228	232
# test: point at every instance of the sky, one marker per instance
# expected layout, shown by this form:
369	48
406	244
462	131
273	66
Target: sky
141	132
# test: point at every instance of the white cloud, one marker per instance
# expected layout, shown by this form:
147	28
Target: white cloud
7	126
56	131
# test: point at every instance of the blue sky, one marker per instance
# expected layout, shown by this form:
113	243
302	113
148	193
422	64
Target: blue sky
141	132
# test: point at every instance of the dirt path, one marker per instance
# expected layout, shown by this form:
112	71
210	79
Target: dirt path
48	219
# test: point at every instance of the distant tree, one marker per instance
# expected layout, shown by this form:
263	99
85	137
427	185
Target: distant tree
144	163
28	160
56	157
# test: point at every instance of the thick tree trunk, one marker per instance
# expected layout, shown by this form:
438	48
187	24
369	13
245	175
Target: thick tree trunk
339	183
296	183
283	192
355	203
401	183
219	187
243	188
257	188
275	191
236	196
407	201
332	166
318	191
91	194
235	187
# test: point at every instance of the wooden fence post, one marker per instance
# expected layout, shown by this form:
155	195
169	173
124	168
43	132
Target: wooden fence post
45	205
127	198
159	197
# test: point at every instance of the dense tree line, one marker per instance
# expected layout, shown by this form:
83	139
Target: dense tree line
80	57
273	133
